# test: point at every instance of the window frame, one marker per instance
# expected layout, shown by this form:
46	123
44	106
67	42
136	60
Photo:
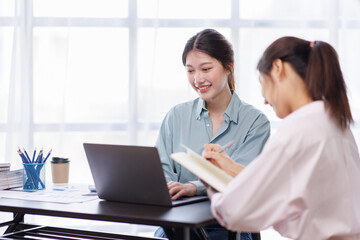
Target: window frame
133	23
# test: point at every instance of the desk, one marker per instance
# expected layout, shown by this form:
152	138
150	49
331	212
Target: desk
176	221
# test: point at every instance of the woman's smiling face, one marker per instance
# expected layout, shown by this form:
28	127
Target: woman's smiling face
206	75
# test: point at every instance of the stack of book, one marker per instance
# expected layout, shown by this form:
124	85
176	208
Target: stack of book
10	178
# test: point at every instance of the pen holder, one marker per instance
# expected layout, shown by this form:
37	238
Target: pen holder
34	176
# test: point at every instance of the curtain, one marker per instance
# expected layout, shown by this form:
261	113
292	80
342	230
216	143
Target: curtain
19	114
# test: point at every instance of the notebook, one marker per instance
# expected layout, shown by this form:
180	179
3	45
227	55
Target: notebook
130	174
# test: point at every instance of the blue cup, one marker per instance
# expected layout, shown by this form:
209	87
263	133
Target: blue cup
34	176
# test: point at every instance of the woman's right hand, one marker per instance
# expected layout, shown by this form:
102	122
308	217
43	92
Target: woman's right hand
177	190
221	160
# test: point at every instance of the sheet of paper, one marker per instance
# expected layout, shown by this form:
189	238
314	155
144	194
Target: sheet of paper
54	194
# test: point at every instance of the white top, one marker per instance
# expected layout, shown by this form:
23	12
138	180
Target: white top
305	183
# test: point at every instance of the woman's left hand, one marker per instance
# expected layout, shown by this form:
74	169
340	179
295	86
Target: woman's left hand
209	190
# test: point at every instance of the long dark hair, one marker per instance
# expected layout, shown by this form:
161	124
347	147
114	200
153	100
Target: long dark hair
214	44
318	65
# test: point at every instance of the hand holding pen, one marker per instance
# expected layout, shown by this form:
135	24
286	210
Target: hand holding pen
212	147
222	161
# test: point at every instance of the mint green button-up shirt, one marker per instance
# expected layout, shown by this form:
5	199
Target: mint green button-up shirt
189	124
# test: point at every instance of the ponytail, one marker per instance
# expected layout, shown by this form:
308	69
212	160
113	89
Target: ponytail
318	65
324	81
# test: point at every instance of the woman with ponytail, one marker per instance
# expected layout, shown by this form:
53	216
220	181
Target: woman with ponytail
305	182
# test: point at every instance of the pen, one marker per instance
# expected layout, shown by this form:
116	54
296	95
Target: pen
47	155
23	158
39	157
226	146
33	159
27	156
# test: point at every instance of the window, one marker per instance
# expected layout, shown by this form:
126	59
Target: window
109	70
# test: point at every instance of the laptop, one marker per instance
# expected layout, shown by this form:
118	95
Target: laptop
131	174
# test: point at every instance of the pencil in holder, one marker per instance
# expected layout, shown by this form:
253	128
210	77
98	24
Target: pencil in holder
34	176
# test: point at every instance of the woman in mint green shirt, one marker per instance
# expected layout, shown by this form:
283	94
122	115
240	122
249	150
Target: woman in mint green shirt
217	116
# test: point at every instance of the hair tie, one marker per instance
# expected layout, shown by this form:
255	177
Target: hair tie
312	44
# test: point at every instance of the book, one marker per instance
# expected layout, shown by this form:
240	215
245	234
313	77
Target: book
203	169
4	166
11	179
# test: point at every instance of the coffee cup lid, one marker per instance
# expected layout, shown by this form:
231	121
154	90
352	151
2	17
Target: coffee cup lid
59	160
